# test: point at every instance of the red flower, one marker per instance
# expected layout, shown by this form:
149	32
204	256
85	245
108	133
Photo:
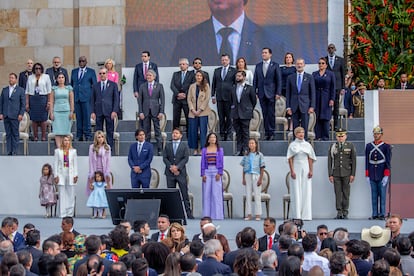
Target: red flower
395	27
353	18
360	59
394	68
363	40
371	66
390	7
410	10
385	57
358	8
385	35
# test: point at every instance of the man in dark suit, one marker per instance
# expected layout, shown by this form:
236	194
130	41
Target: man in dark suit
269	227
228	30
151	103
404	84
139	159
54	71
337	65
212	264
163	223
197	64
243	101
268	259
82	81
12	107
180	83
24	75
247	239
175	158
25	258
221	88
105	104
141	69
267	83
300	96
67	226
33	245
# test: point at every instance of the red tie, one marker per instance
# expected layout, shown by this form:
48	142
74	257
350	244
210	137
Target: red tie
162	236
269	245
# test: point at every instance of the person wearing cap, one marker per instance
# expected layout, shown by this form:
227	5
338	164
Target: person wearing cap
377	238
358	100
341	168
377	172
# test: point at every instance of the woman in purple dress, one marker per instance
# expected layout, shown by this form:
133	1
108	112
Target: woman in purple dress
211	172
325	97
99	159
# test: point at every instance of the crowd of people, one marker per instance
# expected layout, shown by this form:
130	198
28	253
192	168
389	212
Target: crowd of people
129	249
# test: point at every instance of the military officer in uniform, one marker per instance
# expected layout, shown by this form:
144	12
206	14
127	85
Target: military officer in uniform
377	171
341	168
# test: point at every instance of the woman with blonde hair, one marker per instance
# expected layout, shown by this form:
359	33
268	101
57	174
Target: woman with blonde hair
112	74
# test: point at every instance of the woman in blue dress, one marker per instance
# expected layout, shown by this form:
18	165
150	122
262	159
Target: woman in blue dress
61	109
97	199
325	98
287	69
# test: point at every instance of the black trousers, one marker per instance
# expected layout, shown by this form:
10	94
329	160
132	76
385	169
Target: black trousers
224	114
177	107
241	127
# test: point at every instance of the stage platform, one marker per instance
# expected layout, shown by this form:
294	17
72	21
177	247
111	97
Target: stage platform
228	227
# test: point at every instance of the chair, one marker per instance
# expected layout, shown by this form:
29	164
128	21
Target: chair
254	128
281	119
190	194
286	197
264	196
155	179
24	127
311	130
163	124
183	121
227	196
51	136
343	112
117	136
212	122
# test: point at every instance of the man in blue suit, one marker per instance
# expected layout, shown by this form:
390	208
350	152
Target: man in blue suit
82	81
105	104
214	256
12	106
300	96
139	159
141	70
267	82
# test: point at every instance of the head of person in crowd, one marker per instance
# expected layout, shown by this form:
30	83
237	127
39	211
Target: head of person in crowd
290	267
29	65
381	83
38	69
140	267
376	236
361	87
269	226
247	237
125	223
284	242
25	258
51	247
403	77
209	231
392	256
83	61
197	248
67	224
246	263
106	242
316	271
354	249
128	259
156	253
366	253
118	269
17	270
204	221
44	262
136	239
297	250
280	228
197	63
291	229
26	228
268	259
339	264
145	56
119	237
6	246
380	268
56	63
394	223
322	232
170	244
404	246
183	63
326	253
136	250
93	244
142	226
214	249
172	264
109	64
241	64
33	238
176	232
331	49
188	263
289	59
341	237
309	243
63	259
7	226
163	223
68	239
9	259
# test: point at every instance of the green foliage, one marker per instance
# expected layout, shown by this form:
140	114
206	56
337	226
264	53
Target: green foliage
382	40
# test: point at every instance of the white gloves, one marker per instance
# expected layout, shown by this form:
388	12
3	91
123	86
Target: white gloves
384	181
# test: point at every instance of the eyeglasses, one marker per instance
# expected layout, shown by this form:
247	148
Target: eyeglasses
323	233
321	63
102	73
196	62
82	60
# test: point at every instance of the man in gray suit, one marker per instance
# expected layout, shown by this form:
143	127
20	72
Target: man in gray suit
12	105
151	103
175	158
243	101
105	104
300	96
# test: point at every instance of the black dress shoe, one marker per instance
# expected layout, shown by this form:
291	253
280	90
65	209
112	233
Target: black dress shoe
10	153
267	138
338	217
272	138
345	217
373	217
190	216
80	139
381	217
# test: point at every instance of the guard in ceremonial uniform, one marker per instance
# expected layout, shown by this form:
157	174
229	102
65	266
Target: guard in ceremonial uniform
341	168
377	171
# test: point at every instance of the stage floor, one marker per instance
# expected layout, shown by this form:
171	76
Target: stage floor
228	227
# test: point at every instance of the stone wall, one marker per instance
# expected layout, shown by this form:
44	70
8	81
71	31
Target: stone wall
42	29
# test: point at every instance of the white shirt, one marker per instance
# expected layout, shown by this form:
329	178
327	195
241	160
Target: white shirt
11	89
311	259
239	91
234	37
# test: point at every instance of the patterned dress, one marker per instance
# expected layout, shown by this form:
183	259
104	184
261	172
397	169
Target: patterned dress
47	192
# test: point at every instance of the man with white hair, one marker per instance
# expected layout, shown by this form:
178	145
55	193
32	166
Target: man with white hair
268	259
212	264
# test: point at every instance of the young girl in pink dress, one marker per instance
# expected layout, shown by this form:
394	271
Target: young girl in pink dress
47	192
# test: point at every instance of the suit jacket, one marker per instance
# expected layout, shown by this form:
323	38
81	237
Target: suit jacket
51	74
15	105
19	242
58	166
139	77
339	70
342	163
105	158
408	86
178	87
23	77
211	266
143	160
29	273
203	101
36	254
306	97
244	108
263	241
268	86
180	158
200	41
154	103
221	89
269	272
107	265
230	257
82	88
107	101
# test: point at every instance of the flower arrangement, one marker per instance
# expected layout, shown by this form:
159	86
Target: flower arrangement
382	40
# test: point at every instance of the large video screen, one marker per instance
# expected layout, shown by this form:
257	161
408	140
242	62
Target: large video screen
171	29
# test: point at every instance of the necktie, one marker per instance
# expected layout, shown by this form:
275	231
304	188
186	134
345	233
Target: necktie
145	69
175	146
265	66
82	71
341	146
270	243
150	89
139	148
102	86
225	47
162	236
182	77
403	86
223	73
299	82
11	237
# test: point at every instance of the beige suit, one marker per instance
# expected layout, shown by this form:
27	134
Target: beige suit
202	101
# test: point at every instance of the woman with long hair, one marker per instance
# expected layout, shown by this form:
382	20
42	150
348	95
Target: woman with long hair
241	65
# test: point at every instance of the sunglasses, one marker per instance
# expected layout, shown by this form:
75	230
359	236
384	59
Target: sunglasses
102	73
321	63
196	62
323	234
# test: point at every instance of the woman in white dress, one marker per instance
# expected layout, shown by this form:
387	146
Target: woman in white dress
301	156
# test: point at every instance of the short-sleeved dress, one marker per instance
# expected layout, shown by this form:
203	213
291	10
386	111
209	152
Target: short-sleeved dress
97	199
47	192
61	110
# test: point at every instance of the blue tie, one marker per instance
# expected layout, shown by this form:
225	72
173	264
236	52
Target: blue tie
175	146
299	82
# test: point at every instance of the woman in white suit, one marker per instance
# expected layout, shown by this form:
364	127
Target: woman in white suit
66	172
